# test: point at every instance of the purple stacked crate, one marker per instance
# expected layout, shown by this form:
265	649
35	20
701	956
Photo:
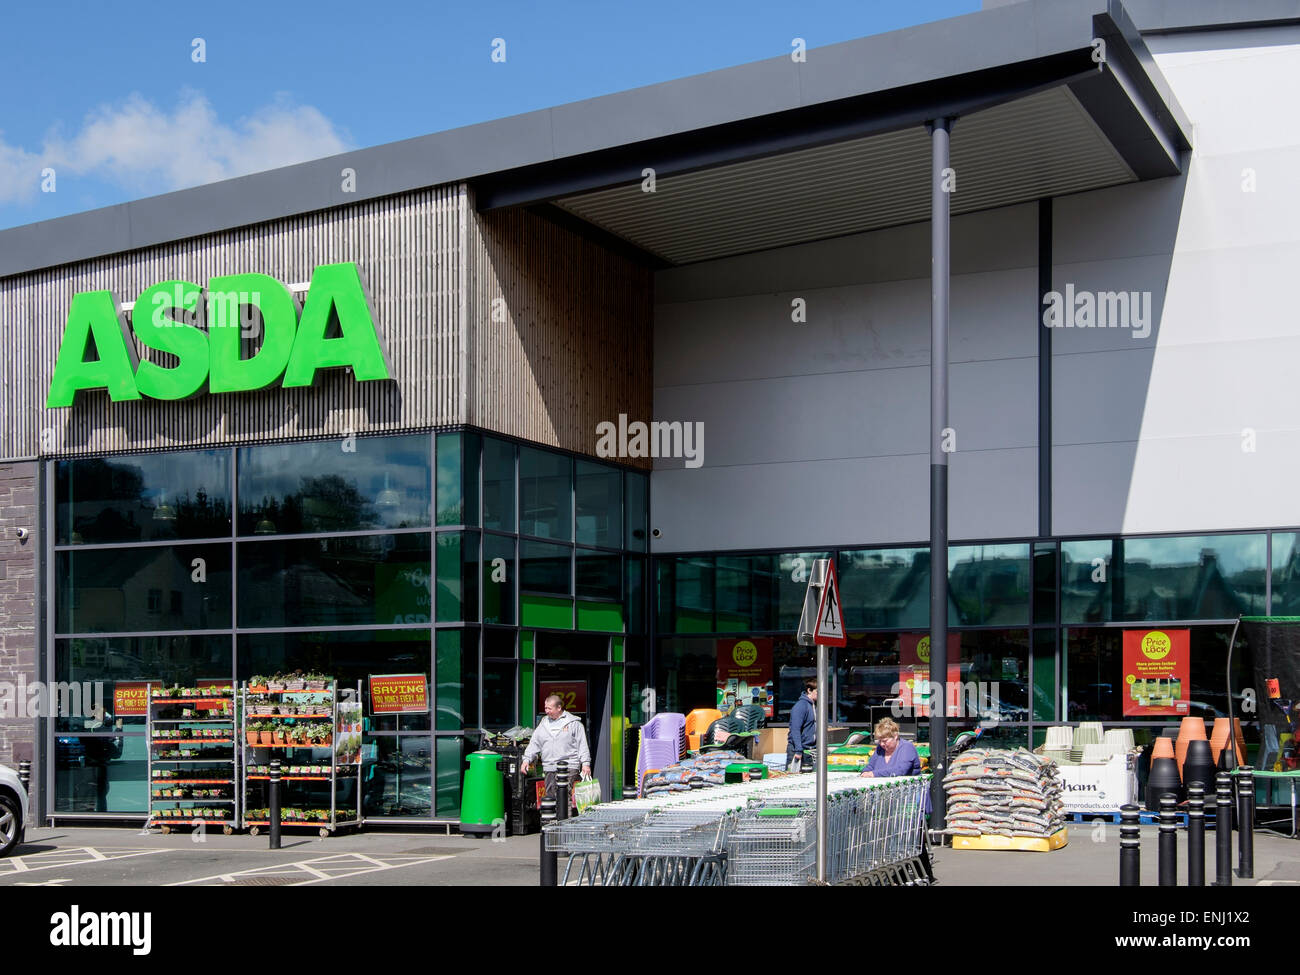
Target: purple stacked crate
663	741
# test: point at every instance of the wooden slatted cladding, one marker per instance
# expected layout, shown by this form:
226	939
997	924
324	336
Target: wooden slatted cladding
501	320
408	249
560	332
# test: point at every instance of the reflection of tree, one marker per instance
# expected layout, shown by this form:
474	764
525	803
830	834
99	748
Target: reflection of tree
326	502
123	508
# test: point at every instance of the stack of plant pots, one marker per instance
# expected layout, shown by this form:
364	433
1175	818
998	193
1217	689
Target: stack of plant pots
1164	777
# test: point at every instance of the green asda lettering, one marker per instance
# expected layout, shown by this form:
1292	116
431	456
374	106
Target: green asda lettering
293	346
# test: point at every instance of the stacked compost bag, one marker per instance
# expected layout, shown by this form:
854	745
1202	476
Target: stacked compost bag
993	792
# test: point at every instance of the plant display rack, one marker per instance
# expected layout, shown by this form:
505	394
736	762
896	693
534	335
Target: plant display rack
300	721
191	756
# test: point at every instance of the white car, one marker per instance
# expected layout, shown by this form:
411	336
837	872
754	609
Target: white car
13	810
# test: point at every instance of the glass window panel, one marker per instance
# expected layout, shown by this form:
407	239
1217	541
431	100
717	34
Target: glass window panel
1044	582
636	495
866	677
101	773
498	579
457	676
791	664
1286	574
451	769
400	782
378	579
457	577
498	484
96	665
988	584
599	501
458	478
571	646
599	574
885	587
1186	578
746	592
686	676
351	657
498	643
691	598
545	568
142	498
1086	579
793	569
1096	679
545	494
337	485
634	593
143	588
498	695
1045	693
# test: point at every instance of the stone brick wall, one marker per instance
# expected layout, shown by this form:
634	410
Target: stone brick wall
18	560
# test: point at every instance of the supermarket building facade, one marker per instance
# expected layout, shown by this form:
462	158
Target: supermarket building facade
745	253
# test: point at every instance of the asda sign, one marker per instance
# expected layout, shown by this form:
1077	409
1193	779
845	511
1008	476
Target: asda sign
204	333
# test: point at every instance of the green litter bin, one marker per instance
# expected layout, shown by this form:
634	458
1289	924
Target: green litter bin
483	795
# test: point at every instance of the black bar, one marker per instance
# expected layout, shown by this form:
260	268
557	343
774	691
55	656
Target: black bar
1044	370
1195	836
273	795
1223	830
562	790
1167	850
1130	847
1245	822
549	875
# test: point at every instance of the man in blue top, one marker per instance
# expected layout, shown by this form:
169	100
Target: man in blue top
803	723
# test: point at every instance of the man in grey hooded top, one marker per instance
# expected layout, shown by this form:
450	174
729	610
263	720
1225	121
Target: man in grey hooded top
558	738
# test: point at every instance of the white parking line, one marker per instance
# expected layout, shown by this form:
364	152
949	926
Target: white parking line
317	870
70	857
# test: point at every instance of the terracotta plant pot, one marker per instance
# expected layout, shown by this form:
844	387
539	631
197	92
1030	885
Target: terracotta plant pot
1219	736
266	737
1241	741
252	737
1163	747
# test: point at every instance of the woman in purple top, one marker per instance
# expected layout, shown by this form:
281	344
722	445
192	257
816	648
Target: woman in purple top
893	756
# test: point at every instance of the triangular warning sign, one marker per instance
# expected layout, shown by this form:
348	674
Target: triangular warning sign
830	613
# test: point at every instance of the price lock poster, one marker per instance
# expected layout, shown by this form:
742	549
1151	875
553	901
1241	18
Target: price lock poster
1157	665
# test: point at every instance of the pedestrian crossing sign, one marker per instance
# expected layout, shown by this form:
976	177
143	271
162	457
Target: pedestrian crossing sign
830	613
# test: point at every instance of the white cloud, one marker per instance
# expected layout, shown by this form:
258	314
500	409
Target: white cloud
147	149
20	173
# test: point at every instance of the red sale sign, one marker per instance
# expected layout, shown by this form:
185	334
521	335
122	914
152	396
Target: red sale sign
1157	671
914	672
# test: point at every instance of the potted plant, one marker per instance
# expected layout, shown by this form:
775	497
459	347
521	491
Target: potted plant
257	684
264	733
275	683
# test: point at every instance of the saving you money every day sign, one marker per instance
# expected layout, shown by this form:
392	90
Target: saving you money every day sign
399	694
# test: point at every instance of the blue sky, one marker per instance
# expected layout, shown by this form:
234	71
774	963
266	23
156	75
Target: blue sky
109	95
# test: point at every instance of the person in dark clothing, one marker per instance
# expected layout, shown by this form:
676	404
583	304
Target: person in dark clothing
803	724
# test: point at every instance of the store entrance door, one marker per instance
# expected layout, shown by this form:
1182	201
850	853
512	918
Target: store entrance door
584	688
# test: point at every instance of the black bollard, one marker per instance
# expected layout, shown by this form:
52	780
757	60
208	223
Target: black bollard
1223	830
549	875
25	775
1246	822
561	790
1130	847
273	797
1195	836
1167	850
